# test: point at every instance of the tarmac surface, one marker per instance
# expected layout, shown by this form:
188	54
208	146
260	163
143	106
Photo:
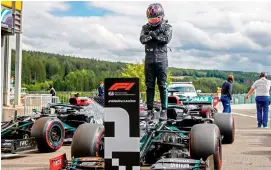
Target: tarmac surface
251	149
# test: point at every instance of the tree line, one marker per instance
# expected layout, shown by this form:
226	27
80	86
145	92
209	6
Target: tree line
67	73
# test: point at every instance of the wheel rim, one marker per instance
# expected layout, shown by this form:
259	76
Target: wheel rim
55	134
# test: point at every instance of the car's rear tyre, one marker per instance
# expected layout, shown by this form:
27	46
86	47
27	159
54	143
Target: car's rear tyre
88	140
205	141
49	133
226	124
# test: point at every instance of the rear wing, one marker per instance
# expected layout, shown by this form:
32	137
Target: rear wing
199	100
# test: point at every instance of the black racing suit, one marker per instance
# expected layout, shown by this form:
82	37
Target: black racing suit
156	60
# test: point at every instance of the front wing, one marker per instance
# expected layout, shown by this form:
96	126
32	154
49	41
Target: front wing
97	163
16	147
61	163
185	164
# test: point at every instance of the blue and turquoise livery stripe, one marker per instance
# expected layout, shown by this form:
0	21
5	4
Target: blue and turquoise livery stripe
10	130
197	165
67	127
75	162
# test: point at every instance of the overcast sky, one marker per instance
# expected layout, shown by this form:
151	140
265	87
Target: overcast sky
206	35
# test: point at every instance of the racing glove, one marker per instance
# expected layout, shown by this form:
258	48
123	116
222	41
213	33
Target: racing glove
153	34
165	34
146	39
144	35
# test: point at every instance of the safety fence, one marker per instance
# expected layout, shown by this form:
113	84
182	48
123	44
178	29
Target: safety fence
64	96
37	102
241	99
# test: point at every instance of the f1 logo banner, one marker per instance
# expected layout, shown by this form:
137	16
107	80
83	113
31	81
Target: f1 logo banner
121	122
123	86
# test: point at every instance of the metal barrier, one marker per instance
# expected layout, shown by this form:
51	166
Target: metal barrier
38	102
241	99
64	96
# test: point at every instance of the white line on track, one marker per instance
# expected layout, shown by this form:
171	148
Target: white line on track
268	130
239	114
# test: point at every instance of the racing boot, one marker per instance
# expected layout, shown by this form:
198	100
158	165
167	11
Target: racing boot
164	103
163	115
150	115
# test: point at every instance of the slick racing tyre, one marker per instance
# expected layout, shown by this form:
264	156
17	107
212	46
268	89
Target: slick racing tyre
205	141
49	133
88	140
226	124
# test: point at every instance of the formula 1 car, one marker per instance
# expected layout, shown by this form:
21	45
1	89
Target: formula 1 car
162	145
185	141
28	133
197	113
71	116
46	130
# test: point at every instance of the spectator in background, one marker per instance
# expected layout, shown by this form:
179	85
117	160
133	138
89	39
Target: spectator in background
226	94
52	91
101	90
262	89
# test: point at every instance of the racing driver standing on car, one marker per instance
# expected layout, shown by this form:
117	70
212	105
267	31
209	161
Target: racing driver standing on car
155	35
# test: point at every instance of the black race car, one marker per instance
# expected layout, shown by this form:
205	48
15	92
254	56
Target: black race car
185	141
28	133
46	130
162	146
196	114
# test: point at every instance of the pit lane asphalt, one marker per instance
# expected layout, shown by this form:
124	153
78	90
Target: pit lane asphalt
251	149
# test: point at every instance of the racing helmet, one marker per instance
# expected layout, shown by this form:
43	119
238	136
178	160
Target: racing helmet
155	14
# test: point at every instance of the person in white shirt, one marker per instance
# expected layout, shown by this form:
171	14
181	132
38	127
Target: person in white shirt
262	89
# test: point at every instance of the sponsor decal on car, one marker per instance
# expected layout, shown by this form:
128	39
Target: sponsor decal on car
180	166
